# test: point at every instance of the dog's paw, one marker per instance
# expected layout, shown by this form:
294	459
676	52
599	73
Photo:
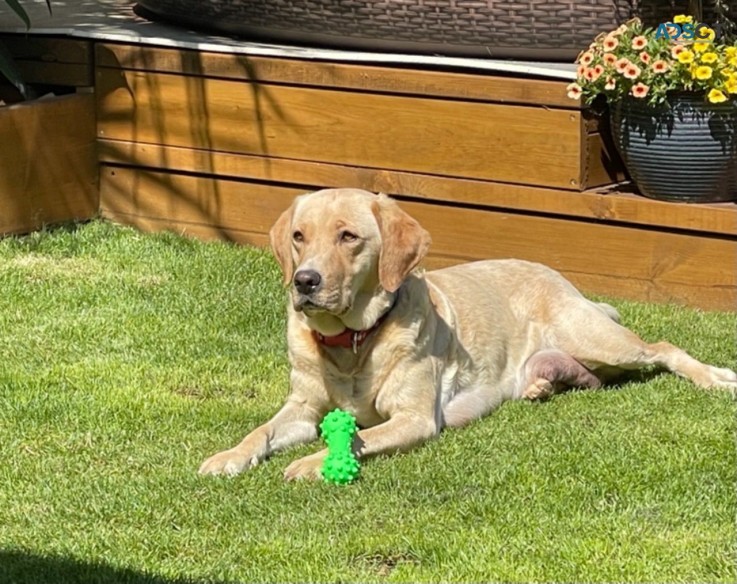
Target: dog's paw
305	468
228	462
721	378
539	389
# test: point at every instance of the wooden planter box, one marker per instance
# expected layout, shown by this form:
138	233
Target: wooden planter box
48	162
217	145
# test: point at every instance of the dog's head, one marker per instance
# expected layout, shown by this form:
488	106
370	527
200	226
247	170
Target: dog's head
337	248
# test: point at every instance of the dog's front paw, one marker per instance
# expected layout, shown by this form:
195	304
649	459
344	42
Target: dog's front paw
306	468
228	462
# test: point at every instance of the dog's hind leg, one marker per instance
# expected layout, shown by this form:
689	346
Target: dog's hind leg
668	356
600	343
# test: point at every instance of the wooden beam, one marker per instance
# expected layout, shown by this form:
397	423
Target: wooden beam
611	207
481	86
505	143
52	61
616	260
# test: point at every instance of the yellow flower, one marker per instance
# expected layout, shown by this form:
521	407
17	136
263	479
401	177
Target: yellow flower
700	47
732	61
681	18
731	85
716	96
702	72
709	58
709	32
685	56
730	51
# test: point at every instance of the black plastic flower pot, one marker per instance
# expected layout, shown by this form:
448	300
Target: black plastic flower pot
684	150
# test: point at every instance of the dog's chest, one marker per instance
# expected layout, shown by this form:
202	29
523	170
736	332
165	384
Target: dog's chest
355	390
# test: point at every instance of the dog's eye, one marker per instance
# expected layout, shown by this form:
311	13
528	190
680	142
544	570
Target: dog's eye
298	237
348	237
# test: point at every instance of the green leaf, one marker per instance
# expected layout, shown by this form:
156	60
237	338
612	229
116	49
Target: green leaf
20	11
10	71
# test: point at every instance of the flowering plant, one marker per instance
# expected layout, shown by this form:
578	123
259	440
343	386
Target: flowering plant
635	61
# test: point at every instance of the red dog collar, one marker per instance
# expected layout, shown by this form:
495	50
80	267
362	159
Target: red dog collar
350	338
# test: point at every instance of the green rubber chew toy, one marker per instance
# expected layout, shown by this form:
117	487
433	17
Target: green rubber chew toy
341	466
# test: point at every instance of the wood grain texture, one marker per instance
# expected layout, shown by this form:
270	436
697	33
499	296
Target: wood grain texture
480	86
52	61
611	207
451	138
616	260
49	174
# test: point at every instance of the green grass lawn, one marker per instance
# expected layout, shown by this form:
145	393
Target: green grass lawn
126	359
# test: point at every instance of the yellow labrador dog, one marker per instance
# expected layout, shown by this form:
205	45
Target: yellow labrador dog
410	353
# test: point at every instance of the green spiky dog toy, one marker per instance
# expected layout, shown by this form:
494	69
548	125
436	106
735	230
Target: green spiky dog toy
341	466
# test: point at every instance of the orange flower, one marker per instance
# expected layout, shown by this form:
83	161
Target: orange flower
677	50
639	43
640	90
609	58
610	84
593	73
586	58
622	64
660	66
645	57
574	91
581	70
610	43
632	71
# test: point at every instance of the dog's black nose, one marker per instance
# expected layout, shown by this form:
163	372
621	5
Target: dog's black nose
307	281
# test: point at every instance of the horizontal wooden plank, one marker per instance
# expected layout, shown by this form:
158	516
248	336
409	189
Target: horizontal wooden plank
201	231
222	205
616	287
52	61
383	79
614	206
506	143
607	259
68	74
50	173
620	261
48	49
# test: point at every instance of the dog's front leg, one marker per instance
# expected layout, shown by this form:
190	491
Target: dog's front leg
295	423
398	434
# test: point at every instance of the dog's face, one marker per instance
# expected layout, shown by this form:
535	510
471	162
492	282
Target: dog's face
335	245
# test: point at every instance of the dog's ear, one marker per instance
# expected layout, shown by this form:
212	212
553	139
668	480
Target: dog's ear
403	242
280	238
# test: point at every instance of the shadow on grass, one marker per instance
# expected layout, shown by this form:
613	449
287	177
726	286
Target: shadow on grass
22	567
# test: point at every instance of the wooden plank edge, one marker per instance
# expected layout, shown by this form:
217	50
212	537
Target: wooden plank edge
418	81
615	208
644	290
